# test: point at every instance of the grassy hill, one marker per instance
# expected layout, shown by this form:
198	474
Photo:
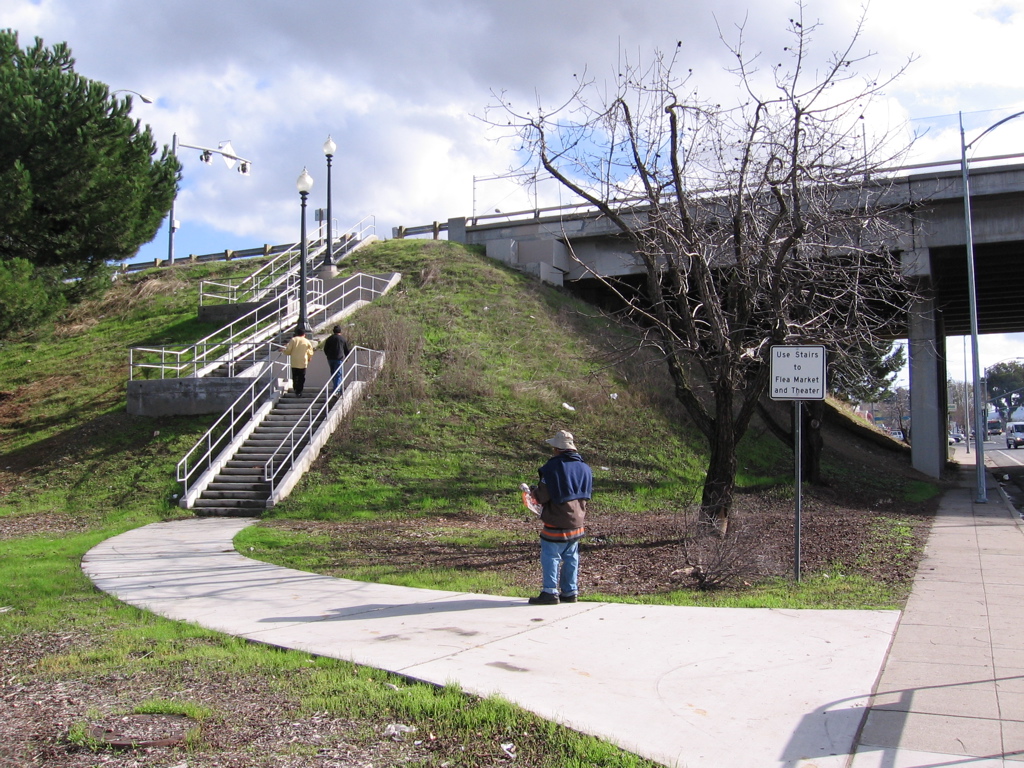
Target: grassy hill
483	364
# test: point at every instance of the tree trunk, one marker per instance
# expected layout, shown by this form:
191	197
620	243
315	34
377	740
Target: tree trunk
814	414
720	482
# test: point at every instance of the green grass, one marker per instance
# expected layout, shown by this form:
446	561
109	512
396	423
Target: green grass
78	470
480	362
827	590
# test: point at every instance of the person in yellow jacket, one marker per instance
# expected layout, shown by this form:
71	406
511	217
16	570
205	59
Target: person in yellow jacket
301	351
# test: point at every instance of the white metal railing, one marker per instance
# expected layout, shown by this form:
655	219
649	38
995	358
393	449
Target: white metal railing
359	287
236	338
270	280
585	207
357	233
237	418
359	365
243	338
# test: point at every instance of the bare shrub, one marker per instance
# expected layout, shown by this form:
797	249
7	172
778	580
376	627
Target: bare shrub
429	274
67	330
120	299
716	562
401	340
462	376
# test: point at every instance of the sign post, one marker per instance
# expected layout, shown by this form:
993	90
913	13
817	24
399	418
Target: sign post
798	373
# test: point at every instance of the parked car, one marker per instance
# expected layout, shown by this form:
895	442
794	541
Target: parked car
1015	434
897	433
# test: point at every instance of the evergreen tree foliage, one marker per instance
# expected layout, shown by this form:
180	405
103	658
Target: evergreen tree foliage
870	378
1005	387
80	184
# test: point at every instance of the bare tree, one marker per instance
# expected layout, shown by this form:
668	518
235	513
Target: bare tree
755	224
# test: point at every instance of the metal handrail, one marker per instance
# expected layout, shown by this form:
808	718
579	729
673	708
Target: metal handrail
268	278
223	344
356	368
262	282
358	287
237	417
239	357
257	327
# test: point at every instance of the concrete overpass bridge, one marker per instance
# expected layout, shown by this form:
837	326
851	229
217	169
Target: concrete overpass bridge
933	247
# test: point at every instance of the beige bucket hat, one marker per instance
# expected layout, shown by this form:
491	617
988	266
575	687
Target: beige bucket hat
562	440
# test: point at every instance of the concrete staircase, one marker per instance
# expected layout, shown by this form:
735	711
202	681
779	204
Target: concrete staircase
240	489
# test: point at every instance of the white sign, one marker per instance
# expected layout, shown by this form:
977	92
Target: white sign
798	373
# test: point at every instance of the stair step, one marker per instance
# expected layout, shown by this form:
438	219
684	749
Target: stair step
231	503
240	494
216	487
237	472
226	512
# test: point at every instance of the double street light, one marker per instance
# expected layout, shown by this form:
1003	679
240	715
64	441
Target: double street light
128	90
980	424
226	151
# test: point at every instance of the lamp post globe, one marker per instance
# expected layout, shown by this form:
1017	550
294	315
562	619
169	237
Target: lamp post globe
304	183
329	149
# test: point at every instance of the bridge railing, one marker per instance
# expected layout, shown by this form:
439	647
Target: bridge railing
361	230
438	227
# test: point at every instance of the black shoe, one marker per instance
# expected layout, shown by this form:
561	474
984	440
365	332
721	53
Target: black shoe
567	598
544	598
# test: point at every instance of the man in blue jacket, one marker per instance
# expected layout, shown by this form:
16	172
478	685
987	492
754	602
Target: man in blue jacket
565	487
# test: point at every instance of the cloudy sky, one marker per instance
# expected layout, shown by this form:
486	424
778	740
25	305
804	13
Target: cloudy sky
401	86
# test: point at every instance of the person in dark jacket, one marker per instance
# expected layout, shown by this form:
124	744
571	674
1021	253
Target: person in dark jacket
565	486
336	350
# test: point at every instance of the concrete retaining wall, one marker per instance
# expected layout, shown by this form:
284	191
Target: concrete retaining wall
183	397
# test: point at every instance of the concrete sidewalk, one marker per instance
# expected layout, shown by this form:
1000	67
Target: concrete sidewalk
693	687
952	690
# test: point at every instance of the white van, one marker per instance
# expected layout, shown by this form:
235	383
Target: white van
1015	434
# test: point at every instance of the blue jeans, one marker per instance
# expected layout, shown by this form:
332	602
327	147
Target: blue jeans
337	371
553	554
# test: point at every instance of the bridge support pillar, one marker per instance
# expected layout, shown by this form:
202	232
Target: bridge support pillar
928	443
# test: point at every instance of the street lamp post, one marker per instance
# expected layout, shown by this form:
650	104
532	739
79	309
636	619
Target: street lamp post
980	425
145	100
227	152
329	148
303	184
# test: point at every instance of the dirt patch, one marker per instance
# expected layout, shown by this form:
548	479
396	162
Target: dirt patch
53	524
253	724
642	554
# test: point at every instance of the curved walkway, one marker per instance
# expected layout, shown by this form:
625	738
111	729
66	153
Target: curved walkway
696	687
